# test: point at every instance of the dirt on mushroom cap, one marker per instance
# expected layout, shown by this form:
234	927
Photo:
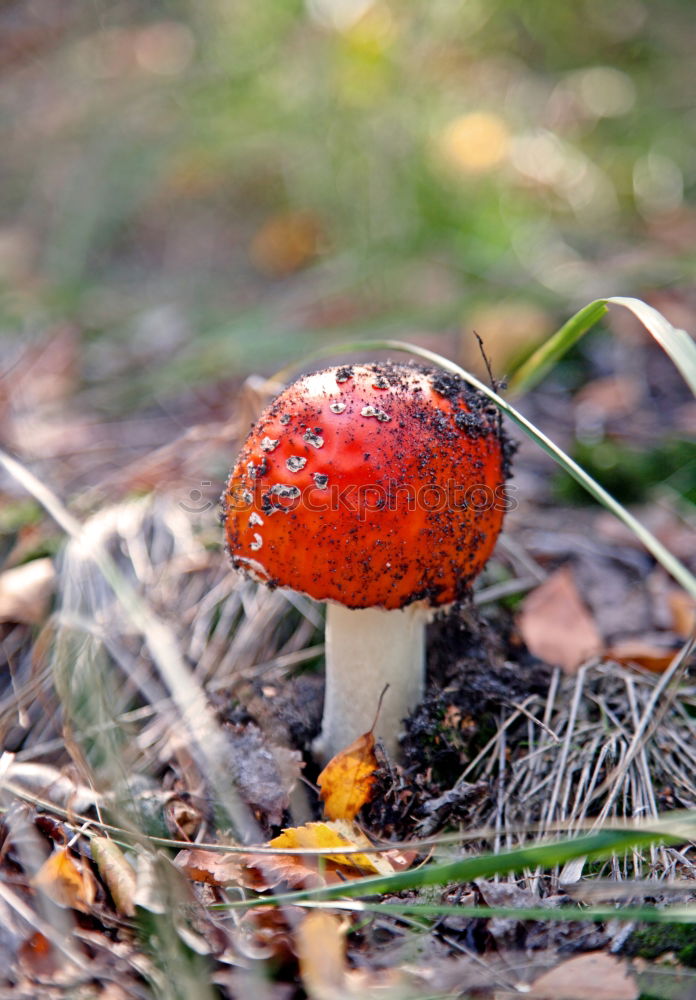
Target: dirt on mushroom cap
400	496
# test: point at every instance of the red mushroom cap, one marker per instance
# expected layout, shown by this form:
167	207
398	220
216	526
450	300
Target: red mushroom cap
371	485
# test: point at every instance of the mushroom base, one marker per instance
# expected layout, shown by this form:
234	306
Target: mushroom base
367	649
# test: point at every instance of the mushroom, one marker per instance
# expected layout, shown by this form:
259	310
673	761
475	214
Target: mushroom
379	489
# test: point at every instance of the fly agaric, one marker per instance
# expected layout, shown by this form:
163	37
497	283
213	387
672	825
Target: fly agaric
379	489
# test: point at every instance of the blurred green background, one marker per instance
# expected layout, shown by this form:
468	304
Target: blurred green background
206	189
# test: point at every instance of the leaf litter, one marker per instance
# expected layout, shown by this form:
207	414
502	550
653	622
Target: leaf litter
502	741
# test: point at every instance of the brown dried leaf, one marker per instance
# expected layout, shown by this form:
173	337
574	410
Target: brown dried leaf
266	932
116	872
267	871
556	625
183	818
25	592
65	881
635	653
38	957
209	867
347	781
594	976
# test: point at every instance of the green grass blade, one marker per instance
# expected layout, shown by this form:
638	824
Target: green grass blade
674	567
673	341
629	914
676	343
601	844
545	357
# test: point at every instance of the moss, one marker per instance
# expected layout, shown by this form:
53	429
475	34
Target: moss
654	940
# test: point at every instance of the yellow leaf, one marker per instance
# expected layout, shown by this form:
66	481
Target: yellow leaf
66	883
265	871
321	951
348	779
327	835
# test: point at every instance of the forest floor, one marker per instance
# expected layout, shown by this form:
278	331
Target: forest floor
176	728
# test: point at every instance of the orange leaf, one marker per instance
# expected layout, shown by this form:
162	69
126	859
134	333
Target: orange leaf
683	610
348	779
636	653
38	956
65	882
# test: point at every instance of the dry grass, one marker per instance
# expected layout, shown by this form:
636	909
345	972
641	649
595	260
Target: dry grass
114	712
610	744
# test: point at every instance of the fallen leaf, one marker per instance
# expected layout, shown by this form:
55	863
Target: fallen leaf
665	524
555	624
321	950
38	957
683	611
25	592
635	653
265	871
117	872
320	945
209	867
336	834
594	976
266	932
511	895
183	818
347	781
66	882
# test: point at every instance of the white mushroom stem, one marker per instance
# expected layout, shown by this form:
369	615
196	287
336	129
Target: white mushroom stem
365	650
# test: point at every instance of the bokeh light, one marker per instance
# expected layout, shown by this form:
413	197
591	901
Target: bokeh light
302	169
